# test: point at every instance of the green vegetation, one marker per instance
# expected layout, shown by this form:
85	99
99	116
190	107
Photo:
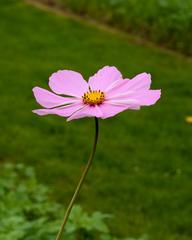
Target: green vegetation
142	170
165	22
27	213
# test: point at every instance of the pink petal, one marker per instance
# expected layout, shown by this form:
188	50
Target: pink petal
68	82
65	111
114	85
149	97
42	112
49	100
104	77
140	98
111	109
140	82
87	111
124	101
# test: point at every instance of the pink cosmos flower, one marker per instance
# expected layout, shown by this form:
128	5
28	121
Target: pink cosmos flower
104	95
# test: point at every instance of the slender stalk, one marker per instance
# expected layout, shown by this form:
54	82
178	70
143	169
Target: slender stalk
81	181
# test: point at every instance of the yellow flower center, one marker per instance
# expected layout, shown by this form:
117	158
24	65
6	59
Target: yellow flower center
93	97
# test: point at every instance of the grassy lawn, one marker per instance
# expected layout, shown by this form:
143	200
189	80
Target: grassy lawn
165	22
142	170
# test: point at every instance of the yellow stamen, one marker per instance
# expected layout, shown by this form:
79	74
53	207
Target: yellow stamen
93	97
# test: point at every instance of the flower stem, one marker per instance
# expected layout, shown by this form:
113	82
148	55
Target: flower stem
81	181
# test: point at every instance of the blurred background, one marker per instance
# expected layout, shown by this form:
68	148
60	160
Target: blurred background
142	172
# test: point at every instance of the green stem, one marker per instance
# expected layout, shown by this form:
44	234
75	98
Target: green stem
81	181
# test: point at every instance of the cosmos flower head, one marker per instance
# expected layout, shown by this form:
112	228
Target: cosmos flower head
104	95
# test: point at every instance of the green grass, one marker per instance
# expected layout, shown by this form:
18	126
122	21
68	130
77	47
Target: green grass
165	22
142	170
